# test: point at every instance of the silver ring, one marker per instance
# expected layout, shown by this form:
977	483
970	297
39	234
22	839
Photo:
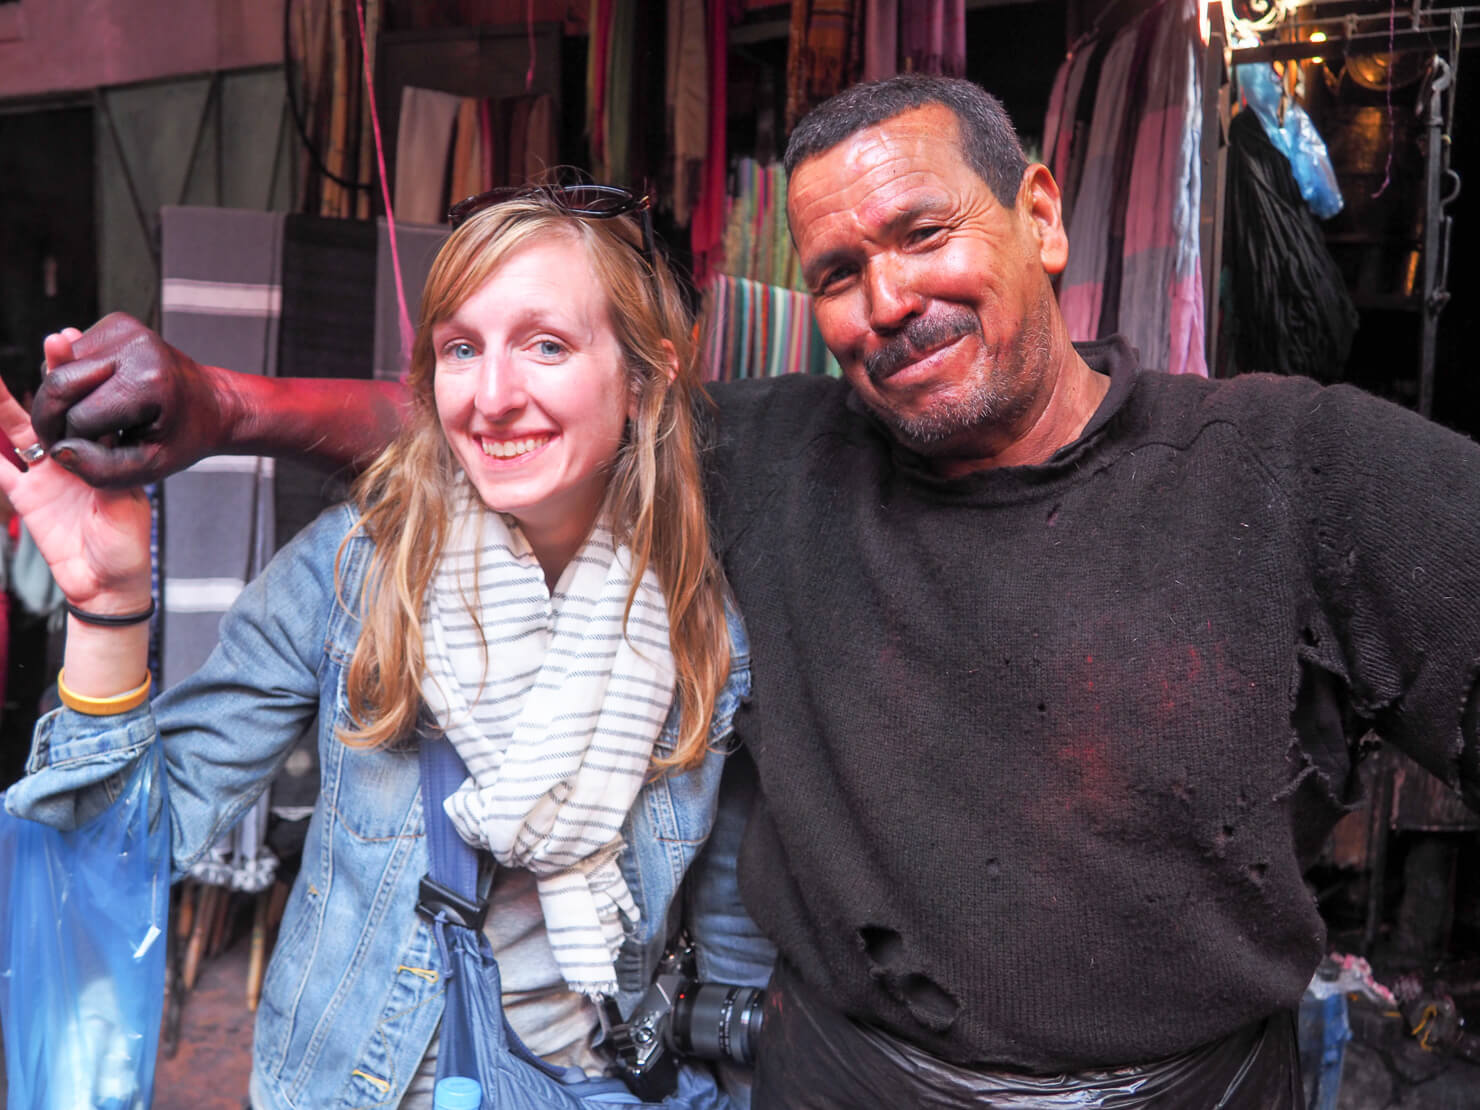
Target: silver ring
32	454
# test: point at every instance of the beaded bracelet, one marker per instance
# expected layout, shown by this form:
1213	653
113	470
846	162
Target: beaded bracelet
108	620
101	707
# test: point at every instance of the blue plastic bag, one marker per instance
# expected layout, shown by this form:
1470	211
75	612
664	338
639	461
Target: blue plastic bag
1296	138
82	951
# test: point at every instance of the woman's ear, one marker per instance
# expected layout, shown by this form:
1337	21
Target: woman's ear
672	354
670	364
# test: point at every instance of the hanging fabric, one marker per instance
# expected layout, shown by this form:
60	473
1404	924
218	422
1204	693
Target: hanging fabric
1061	128
824	54
618	111
1161	290
749	329
597	57
707	229
1082	284
932	36
687	92
423	144
1135	260
467	153
221	300
541	145
881	39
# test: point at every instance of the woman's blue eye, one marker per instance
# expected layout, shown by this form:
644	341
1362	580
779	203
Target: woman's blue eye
461	350
550	349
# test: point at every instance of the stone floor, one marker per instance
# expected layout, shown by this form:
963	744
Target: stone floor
210	1067
1386	1069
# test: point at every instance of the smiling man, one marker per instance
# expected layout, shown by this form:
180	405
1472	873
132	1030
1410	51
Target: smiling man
934	293
1060	665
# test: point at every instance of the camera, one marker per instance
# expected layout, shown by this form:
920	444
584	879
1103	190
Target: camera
679	1016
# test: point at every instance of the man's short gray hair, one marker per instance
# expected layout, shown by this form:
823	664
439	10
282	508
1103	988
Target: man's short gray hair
989	143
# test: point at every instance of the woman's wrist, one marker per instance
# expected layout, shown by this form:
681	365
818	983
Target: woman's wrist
115	602
103	660
112	615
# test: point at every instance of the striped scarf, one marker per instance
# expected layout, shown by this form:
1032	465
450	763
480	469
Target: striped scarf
556	720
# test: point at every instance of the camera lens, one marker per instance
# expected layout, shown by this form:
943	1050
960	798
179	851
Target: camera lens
717	1022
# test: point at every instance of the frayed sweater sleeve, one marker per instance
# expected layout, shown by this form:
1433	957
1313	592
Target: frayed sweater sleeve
1390	507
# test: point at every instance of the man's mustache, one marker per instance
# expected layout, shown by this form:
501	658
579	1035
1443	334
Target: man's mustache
919	337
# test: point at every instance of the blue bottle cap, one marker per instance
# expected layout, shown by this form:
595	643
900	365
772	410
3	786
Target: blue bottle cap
457	1092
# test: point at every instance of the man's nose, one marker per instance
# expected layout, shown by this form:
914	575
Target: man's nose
501	386
892	300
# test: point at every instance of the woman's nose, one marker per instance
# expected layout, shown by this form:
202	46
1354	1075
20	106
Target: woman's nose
501	387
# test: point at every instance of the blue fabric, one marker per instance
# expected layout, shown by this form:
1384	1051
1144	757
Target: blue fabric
355	989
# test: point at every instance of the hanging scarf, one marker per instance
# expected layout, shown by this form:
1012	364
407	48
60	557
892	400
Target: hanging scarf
556	724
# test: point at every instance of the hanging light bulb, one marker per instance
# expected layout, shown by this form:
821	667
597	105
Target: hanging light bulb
1317	36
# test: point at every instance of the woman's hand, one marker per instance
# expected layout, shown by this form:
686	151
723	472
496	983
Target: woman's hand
95	541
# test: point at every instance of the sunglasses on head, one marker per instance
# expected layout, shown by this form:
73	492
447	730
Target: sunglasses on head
587	202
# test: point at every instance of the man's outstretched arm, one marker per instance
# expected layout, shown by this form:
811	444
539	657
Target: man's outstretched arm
129	408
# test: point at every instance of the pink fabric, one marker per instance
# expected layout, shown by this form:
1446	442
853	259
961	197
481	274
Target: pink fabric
1148	218
1053	118
933	36
1160	309
1080	305
1187	352
601	30
881	39
1064	161
708	229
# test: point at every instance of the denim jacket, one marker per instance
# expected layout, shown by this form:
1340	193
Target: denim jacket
354	991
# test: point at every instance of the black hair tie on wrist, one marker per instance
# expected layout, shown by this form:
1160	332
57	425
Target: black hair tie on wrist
122	620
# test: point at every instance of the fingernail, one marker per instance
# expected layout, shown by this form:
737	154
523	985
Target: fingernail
64	456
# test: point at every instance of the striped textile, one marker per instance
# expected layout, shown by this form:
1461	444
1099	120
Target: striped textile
417	245
555	712
1161	293
221	300
1082	286
753	330
1135	263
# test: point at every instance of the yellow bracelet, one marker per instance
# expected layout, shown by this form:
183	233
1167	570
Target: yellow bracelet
102	707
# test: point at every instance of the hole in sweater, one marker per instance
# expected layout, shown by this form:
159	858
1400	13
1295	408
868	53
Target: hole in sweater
884	946
1320	720
1221	839
928	1003
1256	872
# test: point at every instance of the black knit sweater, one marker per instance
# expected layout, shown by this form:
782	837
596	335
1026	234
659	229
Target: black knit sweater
1042	750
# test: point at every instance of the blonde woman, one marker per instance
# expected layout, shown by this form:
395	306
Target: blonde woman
526	571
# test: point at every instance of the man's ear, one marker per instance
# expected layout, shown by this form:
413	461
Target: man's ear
1043	207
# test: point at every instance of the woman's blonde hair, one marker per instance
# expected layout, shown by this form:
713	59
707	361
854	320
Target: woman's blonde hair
654	498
